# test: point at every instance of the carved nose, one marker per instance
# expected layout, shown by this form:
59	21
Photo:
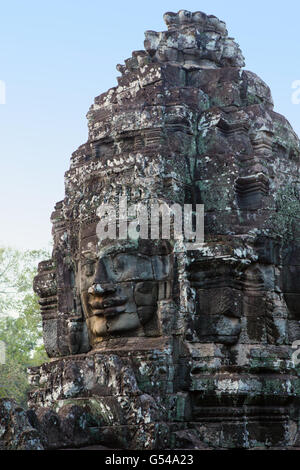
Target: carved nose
101	289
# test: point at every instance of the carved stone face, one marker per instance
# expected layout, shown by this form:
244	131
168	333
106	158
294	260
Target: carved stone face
245	293
121	287
218	303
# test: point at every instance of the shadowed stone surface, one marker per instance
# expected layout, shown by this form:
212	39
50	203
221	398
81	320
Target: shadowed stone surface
153	346
17	432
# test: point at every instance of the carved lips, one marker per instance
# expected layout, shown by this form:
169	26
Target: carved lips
107	307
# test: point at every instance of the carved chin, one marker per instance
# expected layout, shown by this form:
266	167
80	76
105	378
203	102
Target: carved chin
102	327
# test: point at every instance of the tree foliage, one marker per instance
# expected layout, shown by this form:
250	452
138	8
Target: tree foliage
20	320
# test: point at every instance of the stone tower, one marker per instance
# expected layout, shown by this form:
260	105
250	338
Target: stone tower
152	345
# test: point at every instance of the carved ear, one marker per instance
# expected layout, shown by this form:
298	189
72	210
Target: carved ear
84	303
146	313
145	293
44	284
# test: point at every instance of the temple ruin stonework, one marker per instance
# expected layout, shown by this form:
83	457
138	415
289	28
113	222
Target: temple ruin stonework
151	345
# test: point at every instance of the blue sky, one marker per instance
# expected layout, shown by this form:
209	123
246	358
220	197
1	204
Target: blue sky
56	56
